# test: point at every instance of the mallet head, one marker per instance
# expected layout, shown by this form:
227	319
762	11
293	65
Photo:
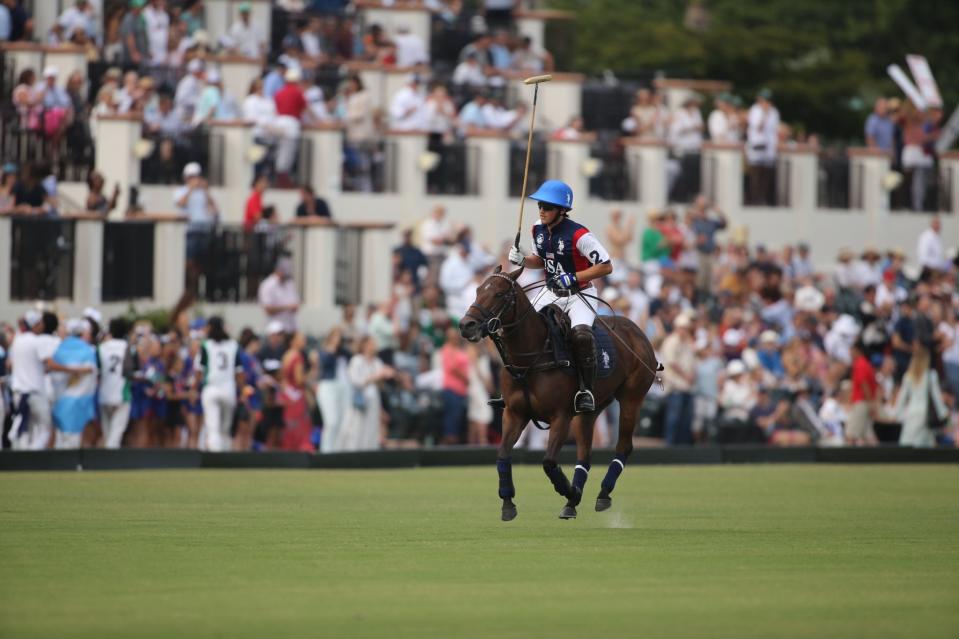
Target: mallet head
536	79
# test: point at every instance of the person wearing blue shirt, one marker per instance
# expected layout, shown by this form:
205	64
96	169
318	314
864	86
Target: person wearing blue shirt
6	22
768	353
879	128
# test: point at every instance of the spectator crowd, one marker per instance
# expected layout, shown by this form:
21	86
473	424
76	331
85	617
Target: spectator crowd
759	346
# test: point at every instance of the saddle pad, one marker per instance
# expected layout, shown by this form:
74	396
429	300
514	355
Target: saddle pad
606	358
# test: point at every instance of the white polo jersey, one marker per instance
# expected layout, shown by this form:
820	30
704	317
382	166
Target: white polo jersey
114	386
219	362
27	374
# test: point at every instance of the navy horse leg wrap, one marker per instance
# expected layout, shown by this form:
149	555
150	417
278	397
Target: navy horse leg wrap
580	475
557	476
616	467
505	469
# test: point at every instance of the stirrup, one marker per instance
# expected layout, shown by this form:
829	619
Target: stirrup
496	402
584	402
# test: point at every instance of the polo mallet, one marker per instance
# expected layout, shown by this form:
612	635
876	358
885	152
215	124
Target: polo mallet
535	81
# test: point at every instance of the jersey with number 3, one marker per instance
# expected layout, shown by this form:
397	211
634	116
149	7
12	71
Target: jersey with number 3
219	362
568	248
114	386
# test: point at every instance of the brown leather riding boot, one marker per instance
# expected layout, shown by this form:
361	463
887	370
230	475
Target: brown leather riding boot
584	351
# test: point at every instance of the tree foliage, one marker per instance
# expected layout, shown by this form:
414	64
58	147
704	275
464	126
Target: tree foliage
825	61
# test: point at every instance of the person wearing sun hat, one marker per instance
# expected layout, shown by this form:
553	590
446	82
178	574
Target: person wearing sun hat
737	398
869	268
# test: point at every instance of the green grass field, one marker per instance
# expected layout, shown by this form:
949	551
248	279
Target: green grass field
720	551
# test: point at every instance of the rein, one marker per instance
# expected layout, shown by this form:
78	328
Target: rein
496	330
599	318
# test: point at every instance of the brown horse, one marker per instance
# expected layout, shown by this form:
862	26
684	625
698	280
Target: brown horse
534	387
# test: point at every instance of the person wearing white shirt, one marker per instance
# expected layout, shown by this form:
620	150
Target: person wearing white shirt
762	137
439	111
31	363
410	50
686	139
929	250
77	17
502	119
456	274
246	37
28	385
219	369
471	115
316	105
469	72
406	107
261	111
189	89
722	123
116	366
311	38
738	395
436	233
158	31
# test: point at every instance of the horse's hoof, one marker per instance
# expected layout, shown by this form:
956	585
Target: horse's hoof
603	504
509	513
569	512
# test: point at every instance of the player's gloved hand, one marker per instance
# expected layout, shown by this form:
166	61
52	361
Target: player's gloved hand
566	280
516	256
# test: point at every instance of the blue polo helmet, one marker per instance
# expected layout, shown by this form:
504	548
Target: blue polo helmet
555	192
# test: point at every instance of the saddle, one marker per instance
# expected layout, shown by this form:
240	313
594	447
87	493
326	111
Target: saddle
559	341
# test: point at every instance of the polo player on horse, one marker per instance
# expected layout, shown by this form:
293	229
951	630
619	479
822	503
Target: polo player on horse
572	257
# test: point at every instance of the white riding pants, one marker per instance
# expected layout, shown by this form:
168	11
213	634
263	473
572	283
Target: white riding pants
113	422
576	308
218	406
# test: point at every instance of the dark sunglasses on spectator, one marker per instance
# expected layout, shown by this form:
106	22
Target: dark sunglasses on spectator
548	207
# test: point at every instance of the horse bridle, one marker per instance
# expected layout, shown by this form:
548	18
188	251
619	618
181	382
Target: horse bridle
492	321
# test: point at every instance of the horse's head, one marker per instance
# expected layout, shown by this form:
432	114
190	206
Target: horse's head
495	302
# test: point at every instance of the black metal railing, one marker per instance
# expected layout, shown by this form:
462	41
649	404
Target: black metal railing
687	183
165	164
605	106
537	166
616	176
41	258
759	185
232	264
930	183
832	180
370	168
70	159
127	261
457	168
8	78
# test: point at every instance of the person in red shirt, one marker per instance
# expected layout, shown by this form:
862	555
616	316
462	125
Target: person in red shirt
455	363
865	389
290	105
254	203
